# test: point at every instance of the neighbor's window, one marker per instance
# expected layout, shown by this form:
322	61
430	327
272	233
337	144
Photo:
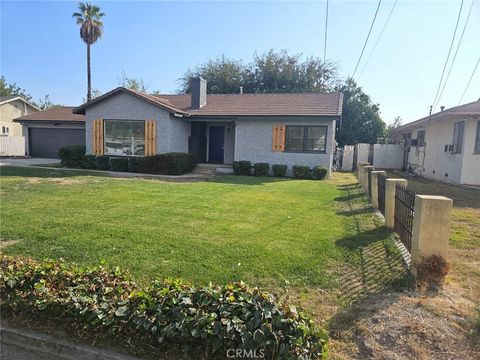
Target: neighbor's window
421	138
124	137
458	137
477	140
5	130
305	138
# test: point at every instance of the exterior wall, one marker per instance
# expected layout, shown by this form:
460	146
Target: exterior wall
172	134
254	142
388	156
433	162
12	110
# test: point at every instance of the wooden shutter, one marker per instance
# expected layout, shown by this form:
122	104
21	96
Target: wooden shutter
278	138
97	145
150	137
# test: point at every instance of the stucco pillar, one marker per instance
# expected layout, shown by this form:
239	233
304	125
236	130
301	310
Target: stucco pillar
374	194
365	178
390	200
360	172
431	227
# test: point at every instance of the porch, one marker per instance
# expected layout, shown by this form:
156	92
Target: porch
212	142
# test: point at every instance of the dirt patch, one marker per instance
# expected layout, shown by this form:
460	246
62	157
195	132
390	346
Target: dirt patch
405	326
59	181
5	243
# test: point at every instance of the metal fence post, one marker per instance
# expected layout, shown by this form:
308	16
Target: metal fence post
390	200
374	194
431	227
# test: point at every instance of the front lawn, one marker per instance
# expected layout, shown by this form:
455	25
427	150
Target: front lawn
265	231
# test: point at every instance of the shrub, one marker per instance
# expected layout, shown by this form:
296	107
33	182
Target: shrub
119	164
147	165
279	170
175	163
261	169
132	164
207	320
301	172
319	172
102	163
242	167
90	162
72	156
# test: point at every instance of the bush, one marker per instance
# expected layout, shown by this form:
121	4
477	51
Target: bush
147	165
301	172
119	164
175	163
72	156
202	320
261	169
279	170
319	172
132	164
242	168
102	163
90	162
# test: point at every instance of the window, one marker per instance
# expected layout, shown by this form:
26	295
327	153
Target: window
305	138
458	137
5	130
477	140
124	137
421	138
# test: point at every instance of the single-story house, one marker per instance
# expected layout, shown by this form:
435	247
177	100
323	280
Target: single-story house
445	146
12	107
49	130
290	129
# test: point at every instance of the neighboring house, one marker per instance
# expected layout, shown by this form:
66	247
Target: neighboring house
49	130
290	129
12	107
445	146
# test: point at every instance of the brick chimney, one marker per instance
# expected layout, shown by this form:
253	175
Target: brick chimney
198	92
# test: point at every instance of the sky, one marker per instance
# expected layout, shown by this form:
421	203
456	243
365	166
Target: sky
157	41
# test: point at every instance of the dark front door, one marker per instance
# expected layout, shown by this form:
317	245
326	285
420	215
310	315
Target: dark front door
215	144
197	143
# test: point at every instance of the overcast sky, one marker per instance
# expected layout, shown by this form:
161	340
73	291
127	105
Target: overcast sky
157	41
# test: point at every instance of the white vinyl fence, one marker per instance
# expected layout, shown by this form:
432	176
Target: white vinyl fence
12	146
388	156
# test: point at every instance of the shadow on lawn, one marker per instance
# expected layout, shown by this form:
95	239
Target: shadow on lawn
43	173
246	180
372	261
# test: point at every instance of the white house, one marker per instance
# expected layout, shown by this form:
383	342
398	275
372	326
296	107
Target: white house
445	146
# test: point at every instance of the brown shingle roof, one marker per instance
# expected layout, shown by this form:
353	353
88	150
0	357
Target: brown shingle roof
310	104
61	113
305	104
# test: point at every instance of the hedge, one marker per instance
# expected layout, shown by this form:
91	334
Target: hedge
206	320
175	163
319	172
279	170
242	167
72	156
301	172
261	169
119	164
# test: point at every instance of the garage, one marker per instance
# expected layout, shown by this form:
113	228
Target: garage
45	143
49	130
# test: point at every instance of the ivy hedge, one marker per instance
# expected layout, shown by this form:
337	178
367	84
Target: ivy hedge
201	320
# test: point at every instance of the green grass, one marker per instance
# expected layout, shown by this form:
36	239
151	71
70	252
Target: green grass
264	231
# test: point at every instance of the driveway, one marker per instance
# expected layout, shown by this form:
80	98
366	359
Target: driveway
28	161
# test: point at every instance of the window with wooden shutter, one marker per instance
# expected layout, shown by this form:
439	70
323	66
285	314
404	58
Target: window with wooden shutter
278	138
97	143
150	137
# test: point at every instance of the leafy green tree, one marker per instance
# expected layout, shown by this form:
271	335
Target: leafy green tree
135	84
91	29
361	121
7	89
46	103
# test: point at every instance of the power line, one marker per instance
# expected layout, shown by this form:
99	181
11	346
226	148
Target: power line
455	55
325	41
368	36
378	40
449	52
470	80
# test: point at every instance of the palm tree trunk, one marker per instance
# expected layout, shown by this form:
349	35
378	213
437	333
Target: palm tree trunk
89	75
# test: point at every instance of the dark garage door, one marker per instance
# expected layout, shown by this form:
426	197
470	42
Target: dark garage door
45	143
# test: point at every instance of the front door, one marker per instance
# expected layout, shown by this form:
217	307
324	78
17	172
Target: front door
216	140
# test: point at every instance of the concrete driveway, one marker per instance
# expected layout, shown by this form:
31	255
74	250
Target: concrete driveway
27	161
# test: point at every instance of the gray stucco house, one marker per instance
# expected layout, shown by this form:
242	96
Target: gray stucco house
290	129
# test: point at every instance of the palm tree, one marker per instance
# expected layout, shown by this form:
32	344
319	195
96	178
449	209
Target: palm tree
91	29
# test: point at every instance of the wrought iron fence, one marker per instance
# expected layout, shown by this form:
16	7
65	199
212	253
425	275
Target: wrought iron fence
404	211
381	193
